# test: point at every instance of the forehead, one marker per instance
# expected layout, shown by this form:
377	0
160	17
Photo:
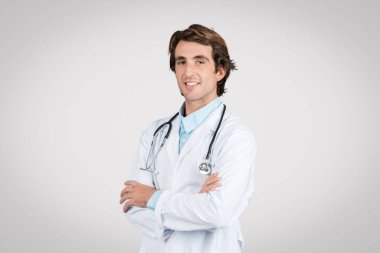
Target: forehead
190	49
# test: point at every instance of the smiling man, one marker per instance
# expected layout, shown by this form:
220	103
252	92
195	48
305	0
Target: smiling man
193	174
196	74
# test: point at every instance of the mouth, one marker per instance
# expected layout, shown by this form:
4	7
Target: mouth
191	83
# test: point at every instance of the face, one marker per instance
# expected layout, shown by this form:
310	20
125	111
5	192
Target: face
195	73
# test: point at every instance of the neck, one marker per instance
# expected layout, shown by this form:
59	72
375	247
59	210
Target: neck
192	106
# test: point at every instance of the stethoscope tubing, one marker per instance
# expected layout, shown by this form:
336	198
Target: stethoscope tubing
169	123
216	131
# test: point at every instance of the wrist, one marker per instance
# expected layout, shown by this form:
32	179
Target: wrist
151	204
150	194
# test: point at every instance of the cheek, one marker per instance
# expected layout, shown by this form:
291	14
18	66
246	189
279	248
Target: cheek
210	77
178	74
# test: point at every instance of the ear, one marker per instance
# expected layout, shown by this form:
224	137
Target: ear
220	73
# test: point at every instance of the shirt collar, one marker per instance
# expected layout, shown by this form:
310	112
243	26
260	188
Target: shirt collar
192	121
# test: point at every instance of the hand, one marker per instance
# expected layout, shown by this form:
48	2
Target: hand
211	183
135	194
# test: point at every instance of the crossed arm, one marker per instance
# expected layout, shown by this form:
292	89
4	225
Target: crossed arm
185	211
138	194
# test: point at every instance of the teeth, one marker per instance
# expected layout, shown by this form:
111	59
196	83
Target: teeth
191	84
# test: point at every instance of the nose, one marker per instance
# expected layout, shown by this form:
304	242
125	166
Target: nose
189	70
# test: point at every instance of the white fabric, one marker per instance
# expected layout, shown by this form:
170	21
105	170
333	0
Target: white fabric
185	220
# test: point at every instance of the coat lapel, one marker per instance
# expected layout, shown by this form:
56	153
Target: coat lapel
172	143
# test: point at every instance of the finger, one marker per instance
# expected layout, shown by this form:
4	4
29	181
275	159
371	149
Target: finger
125	197
216	185
122	199
208	189
126	190
212	180
131	183
131	203
204	189
207	185
127	206
213	187
213	175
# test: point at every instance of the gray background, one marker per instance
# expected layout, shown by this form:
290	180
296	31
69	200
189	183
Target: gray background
80	80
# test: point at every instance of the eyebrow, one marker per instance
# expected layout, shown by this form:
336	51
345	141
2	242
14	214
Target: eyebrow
179	58
202	57
197	57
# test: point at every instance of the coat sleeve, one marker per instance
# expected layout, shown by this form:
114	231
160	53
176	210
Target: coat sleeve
143	218
222	207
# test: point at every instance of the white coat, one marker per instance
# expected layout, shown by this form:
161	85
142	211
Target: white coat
185	220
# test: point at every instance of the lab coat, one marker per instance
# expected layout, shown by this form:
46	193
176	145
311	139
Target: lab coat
185	220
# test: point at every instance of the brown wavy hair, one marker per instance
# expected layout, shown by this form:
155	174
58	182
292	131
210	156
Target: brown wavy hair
208	37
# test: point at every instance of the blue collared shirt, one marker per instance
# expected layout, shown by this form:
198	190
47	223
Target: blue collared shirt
192	121
187	125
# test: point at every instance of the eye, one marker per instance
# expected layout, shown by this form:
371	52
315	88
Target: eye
180	62
200	62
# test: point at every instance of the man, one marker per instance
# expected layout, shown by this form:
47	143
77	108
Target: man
171	196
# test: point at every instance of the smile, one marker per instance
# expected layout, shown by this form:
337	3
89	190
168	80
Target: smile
191	84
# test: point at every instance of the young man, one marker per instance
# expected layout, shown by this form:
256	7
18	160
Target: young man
190	185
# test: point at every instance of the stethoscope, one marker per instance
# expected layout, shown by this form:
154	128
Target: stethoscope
205	168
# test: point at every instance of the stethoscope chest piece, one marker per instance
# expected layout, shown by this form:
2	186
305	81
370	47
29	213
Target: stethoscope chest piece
205	168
